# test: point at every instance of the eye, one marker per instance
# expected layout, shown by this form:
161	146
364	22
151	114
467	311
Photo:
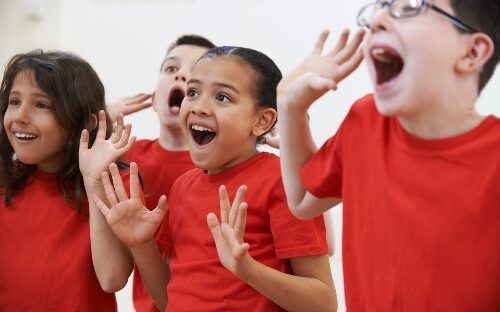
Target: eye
222	98
170	69
42	105
191	93
406	8
14	102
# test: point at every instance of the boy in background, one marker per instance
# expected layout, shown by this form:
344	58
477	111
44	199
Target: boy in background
164	159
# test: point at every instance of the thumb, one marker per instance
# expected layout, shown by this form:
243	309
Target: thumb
321	84
162	206
84	141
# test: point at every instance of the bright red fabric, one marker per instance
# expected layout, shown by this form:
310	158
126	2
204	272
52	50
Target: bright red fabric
421	217
158	168
45	258
199	281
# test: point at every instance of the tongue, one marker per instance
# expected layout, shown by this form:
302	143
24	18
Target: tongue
174	109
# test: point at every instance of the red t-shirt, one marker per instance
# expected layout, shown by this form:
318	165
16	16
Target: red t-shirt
421	217
199	282
45	258
158	168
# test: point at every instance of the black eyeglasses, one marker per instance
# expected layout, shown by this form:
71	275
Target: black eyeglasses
406	8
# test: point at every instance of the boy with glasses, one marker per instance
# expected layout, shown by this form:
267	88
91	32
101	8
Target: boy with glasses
416	166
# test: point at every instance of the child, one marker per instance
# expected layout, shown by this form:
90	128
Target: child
278	262
415	165
162	160
46	99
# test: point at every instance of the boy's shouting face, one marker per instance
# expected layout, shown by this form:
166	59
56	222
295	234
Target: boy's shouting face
413	60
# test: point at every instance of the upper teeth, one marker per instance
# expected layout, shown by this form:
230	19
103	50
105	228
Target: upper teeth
24	135
382	55
200	128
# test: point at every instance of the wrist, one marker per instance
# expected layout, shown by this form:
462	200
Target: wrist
246	268
91	182
143	248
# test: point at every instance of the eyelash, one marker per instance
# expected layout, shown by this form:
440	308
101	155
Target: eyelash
222	95
170	69
13	102
41	105
193	93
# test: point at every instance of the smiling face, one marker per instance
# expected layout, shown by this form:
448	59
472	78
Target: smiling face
171	85
30	125
412	61
219	115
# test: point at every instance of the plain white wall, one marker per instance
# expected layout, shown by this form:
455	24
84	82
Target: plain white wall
125	42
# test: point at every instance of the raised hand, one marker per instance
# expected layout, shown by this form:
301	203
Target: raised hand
319	73
129	105
228	234
127	217
93	161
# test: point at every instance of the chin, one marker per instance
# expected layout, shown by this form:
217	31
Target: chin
387	108
173	126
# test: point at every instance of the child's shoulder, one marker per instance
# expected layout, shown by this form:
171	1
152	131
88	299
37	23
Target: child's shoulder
144	145
364	105
364	111
266	159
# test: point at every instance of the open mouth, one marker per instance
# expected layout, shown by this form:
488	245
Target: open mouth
202	135
24	136
175	98
388	64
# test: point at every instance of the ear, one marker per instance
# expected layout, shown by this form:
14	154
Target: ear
94	120
264	122
479	50
153	102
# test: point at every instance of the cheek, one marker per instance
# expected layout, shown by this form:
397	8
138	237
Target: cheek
161	91
184	109
7	118
183	113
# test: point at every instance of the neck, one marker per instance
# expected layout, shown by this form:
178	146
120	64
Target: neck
450	115
234	162
172	140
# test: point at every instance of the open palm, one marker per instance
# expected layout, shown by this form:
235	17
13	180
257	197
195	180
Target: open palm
94	160
228	234
319	72
127	217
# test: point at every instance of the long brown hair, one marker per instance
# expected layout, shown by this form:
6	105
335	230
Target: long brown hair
76	94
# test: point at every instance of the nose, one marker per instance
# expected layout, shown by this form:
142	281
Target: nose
200	107
181	75
22	114
381	20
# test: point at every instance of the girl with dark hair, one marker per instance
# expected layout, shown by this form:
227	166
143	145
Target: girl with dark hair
46	100
258	257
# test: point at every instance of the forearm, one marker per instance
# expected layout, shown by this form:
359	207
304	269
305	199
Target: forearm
291	292
154	272
296	148
112	260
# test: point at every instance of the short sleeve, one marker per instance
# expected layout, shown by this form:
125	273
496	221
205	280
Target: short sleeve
164	237
294	237
322	174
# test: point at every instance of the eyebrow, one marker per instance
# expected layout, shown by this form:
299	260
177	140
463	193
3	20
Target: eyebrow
175	58
217	84
39	94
